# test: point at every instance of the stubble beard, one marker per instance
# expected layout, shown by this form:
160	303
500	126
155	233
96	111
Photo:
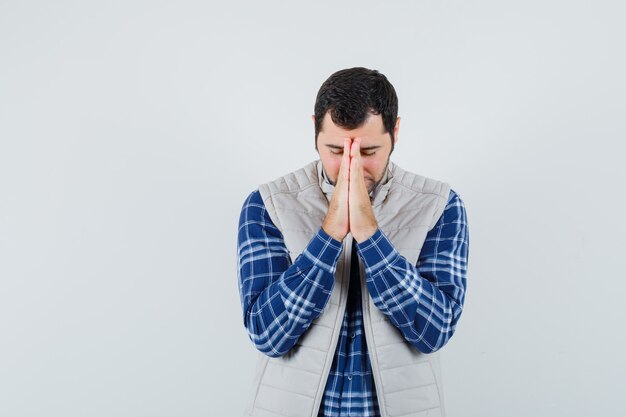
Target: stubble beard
374	187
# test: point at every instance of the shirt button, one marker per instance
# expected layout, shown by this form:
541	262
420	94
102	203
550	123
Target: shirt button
353	335
350	377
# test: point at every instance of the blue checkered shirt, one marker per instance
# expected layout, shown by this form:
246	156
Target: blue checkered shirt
281	299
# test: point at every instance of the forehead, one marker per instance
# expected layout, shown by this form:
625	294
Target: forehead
371	130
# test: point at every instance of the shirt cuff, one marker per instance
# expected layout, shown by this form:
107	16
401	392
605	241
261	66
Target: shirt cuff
377	253
323	251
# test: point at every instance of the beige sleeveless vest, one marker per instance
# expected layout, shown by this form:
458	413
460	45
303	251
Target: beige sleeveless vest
408	382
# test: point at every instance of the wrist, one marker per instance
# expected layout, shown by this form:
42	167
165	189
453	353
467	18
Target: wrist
337	236
365	234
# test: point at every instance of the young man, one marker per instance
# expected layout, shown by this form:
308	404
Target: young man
352	271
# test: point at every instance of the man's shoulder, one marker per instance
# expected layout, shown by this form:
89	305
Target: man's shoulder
419	183
254	198
455	207
293	181
252	206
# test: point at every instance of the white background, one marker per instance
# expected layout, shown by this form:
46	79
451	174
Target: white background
132	131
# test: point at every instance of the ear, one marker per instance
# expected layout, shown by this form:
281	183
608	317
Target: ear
395	131
313	118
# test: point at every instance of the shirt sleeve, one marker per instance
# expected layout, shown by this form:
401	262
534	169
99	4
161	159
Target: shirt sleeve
280	299
423	301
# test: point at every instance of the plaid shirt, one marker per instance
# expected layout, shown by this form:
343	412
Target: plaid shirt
281	299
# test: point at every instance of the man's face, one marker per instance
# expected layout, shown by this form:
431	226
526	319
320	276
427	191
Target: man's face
375	147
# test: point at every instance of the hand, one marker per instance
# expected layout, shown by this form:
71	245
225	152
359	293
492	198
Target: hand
362	220
337	223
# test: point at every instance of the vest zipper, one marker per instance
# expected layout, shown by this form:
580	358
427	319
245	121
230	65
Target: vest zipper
369	340
341	311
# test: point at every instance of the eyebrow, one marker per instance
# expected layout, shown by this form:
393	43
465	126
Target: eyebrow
363	148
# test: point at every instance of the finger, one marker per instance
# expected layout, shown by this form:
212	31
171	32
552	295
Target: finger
356	167
355	151
346	152
344	168
356	175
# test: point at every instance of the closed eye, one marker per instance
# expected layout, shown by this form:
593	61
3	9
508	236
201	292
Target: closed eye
362	153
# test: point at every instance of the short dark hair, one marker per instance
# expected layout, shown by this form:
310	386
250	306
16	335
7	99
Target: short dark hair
351	95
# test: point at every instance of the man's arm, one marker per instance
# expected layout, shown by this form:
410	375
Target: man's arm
424	301
280	299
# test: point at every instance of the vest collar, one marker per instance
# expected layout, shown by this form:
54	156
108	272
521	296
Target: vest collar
377	196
